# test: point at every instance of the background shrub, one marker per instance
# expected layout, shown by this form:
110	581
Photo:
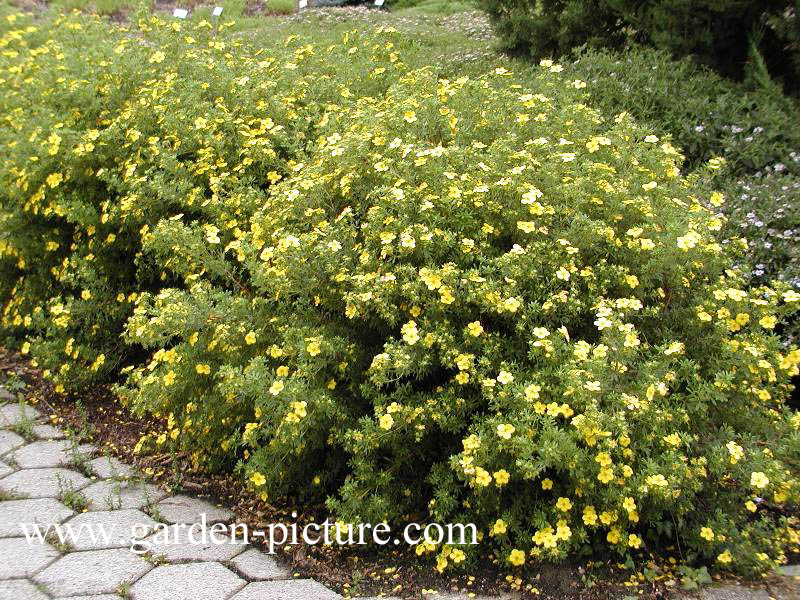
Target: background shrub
723	35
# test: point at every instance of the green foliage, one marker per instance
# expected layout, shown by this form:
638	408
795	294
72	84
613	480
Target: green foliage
713	117
420	298
717	33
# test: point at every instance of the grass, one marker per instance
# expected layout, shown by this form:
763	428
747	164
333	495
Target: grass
281	7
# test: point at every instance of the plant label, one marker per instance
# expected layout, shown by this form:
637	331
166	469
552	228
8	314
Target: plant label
217	11
180	13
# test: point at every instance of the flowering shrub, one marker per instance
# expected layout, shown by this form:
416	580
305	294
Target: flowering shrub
458	298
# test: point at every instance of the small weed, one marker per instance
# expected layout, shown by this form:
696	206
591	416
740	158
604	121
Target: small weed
124	590
6	496
57	543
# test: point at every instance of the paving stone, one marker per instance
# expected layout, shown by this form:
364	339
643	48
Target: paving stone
5	395
44	511
48	432
42	483
198	581
9	441
109	467
93	597
290	589
109	529
179	547
257	566
20	589
733	592
13	414
38	455
183	509
113	495
791	570
19	558
5	469
93	572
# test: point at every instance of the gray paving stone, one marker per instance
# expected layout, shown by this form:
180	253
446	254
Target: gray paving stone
5	395
791	570
109	467
48	432
93	597
733	592
175	545
113	495
109	529
20	589
257	566
43	483
93	572
44	511
183	509
9	441
198	581
291	589
12	414
43	454
5	469
19	558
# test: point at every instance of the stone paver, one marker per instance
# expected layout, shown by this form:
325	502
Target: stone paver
43	454
9	441
120	528
13	414
20	589
5	469
198	581
43	483
292	589
44	511
112	495
178	547
183	509
48	432
257	566
93	572
19	558
94	597
109	467
733	592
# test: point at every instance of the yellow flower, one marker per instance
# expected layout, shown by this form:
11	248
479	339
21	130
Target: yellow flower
517	558
276	387
547	484
203	369
499	527
589	515
629	504
410	333
758	480
505	431
250	338
313	348
409	116
564	504
54	179
169	378
634	541
386	422
707	533
501	477
725	558
613	536
482	477
505	377
258	479
768	322
475	328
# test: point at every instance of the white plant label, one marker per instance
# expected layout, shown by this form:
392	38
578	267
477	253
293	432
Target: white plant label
217	11
180	13
379	2
303	4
